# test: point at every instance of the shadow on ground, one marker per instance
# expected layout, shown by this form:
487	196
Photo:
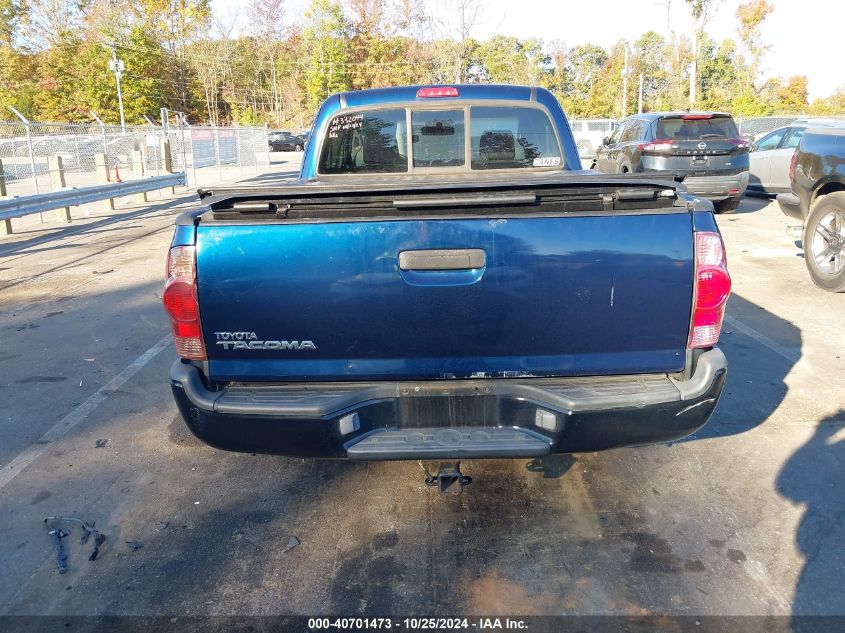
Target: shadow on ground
94	226
814	477
752	202
756	375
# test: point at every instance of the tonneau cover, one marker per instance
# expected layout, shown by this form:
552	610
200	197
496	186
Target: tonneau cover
382	184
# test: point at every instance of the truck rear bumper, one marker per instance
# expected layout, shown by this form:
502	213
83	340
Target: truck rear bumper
449	419
717	187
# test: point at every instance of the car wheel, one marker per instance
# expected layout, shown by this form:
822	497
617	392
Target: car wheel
726	206
298	148
270	148
824	242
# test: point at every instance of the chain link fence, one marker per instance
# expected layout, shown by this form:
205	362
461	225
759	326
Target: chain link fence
43	157
754	127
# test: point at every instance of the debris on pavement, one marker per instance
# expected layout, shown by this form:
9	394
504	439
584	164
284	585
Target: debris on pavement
162	526
101	443
57	534
98	540
292	542
135	545
61	557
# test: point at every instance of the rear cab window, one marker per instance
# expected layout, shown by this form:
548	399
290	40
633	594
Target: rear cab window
457	138
366	142
438	138
512	138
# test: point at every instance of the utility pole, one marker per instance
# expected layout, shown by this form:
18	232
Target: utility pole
640	106
692	73
116	66
625	85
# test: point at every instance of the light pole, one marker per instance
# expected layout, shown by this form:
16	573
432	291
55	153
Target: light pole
625	84
640	101
116	66
692	73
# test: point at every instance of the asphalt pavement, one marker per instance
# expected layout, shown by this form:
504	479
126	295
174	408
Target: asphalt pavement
745	518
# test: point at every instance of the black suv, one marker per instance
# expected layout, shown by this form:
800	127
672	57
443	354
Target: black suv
817	174
705	147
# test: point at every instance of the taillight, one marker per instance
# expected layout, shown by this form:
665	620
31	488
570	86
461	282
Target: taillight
740	143
792	162
660	146
437	92
712	289
180	302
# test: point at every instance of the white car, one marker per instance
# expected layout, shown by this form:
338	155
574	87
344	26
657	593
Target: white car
771	154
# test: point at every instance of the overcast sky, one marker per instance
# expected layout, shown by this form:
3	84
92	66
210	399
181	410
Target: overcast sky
804	35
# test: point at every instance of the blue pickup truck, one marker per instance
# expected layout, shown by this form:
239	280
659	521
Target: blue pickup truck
445	282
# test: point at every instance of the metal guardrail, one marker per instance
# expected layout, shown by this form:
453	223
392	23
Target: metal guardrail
26	205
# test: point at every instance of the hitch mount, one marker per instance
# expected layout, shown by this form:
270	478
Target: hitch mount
447	477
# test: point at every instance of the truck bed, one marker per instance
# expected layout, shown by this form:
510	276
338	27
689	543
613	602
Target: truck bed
573	275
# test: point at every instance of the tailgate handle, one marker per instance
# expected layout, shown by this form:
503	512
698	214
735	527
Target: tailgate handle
449	259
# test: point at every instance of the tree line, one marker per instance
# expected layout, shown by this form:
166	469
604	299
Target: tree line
54	56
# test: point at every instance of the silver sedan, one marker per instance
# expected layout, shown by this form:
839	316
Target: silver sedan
770	157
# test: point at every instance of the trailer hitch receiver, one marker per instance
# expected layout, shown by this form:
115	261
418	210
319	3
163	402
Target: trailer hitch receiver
447	477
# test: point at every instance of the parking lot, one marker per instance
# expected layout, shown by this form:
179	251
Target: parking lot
745	518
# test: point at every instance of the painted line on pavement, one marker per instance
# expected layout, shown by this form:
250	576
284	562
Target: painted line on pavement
791	355
60	429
